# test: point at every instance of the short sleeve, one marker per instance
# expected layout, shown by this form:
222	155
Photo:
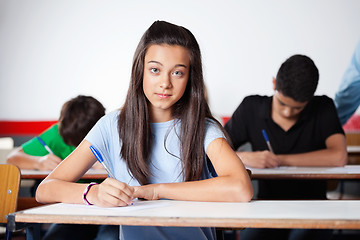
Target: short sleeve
330	121
213	131
103	134
53	139
236	126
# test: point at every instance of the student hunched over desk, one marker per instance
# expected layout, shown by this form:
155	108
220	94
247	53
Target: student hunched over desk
303	130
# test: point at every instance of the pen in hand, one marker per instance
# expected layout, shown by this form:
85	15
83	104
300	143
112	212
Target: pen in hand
101	160
267	140
45	146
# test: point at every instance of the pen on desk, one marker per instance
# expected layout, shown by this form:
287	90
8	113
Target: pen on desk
101	160
45	146
267	140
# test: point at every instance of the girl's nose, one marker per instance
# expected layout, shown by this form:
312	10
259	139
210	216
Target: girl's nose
165	82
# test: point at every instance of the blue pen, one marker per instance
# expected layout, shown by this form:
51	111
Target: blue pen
267	140
45	146
101	160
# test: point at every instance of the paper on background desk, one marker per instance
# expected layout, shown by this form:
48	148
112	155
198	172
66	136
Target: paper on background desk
37	172
348	169
34	172
353	149
82	209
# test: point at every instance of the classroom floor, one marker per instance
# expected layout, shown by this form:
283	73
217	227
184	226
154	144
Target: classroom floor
337	235
346	234
234	235
16	236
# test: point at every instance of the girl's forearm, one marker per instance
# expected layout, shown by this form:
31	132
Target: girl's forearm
219	189
54	190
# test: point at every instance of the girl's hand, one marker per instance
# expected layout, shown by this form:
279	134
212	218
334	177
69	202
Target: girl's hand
148	192
111	193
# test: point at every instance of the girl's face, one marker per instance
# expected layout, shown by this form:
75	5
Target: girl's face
166	74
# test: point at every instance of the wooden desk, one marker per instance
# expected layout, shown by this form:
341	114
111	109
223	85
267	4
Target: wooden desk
35	174
255	214
324	173
353	154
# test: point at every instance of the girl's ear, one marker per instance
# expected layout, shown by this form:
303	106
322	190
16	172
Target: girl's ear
274	83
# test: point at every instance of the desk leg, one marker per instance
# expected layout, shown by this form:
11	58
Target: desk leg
10	226
8	235
341	189
33	231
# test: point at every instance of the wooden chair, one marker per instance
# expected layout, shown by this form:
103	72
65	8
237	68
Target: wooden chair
10	183
9	189
353	139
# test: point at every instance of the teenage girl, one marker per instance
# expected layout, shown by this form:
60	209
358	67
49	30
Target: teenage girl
156	144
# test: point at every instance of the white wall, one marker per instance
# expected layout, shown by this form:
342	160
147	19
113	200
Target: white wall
52	50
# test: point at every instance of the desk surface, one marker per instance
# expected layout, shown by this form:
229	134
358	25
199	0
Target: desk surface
329	173
255	214
35	174
353	150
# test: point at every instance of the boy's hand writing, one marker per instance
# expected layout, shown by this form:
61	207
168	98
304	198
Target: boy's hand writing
259	159
48	162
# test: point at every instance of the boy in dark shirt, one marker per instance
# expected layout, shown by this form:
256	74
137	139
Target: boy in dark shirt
303	130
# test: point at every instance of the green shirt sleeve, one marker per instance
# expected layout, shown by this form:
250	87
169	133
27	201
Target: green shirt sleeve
52	138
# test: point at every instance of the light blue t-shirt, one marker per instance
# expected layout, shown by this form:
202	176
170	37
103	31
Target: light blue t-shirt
347	98
165	166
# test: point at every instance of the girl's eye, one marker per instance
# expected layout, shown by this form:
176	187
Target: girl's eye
178	73
154	70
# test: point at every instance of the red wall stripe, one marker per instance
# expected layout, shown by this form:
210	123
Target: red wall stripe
13	128
19	128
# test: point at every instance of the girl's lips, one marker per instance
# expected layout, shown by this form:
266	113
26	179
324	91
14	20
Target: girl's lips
163	95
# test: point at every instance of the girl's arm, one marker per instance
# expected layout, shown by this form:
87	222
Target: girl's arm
60	185
335	154
232	184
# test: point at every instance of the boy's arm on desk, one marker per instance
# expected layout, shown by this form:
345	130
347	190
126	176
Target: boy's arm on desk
25	161
335	154
259	159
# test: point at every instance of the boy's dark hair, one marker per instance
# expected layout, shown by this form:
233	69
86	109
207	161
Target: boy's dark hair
77	117
297	78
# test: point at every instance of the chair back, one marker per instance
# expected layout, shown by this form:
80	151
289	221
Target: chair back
353	139
6	146
9	189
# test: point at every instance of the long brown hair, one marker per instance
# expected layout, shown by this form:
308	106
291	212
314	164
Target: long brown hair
192	109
